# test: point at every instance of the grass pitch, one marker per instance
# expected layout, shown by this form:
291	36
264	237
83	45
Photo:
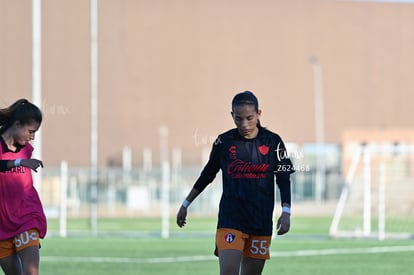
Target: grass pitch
305	250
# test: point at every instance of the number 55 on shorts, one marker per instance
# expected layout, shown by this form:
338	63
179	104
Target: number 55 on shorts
257	247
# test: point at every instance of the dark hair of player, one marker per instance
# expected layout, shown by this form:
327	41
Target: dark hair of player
246	98
22	111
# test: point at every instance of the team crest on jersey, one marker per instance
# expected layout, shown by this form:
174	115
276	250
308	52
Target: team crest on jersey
264	149
229	237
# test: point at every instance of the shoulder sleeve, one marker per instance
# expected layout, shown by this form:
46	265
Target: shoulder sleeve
283	168
211	169
3	165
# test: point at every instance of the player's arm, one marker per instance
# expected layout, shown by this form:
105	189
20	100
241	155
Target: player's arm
182	212
33	164
283	183
283	223
5	165
206	177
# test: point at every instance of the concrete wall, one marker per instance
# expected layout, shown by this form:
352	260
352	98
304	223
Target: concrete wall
178	63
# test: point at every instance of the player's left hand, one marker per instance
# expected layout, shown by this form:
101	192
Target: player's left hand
33	164
283	223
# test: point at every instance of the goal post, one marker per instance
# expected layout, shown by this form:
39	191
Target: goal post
345	192
376	193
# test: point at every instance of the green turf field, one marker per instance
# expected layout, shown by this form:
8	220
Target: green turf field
307	250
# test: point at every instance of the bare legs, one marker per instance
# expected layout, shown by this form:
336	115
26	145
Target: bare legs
232	262
11	265
250	266
26	262
30	260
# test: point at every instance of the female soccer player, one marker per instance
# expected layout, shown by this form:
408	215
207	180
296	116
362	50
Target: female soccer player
249	156
22	220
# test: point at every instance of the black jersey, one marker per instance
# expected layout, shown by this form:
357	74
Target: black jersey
248	167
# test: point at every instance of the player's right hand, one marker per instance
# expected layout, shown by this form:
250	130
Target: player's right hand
181	216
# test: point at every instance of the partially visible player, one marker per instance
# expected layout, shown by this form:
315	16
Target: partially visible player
249	157
22	219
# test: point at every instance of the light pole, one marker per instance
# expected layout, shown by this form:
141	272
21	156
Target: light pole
37	80
94	114
319	127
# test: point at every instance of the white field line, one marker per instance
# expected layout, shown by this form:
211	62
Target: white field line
342	251
298	253
126	259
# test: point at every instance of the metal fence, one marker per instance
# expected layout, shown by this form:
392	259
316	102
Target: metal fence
158	191
139	192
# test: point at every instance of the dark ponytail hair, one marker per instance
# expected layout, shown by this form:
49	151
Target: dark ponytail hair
246	98
22	111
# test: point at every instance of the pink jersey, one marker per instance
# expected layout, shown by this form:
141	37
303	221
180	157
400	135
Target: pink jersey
20	206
